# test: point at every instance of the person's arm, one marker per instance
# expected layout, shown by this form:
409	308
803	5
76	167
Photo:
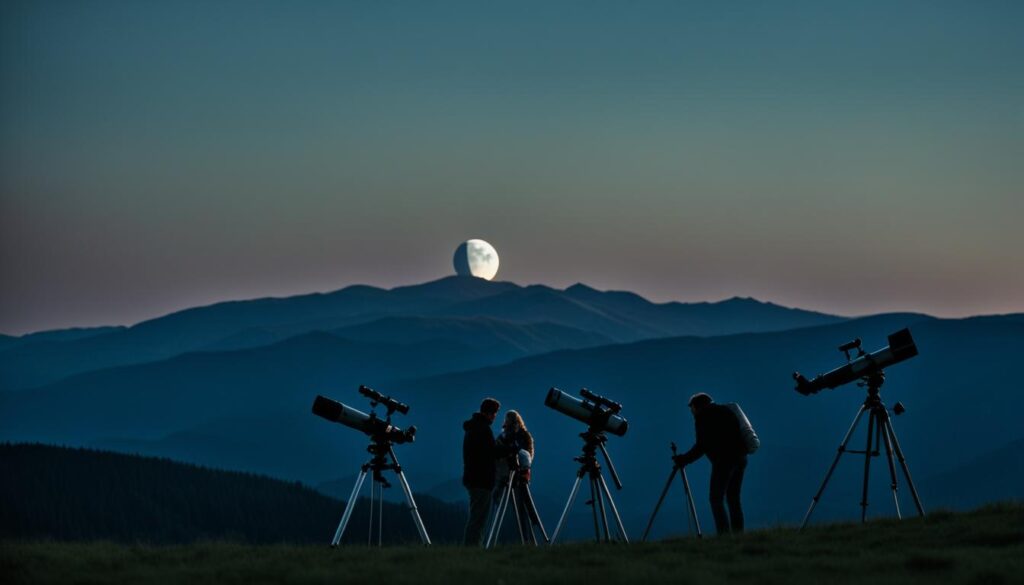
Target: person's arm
528	443
699	447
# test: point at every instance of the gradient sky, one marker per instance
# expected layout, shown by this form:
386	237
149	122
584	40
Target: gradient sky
848	157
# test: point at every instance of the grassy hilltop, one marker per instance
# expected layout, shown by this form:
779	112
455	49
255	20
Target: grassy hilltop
984	547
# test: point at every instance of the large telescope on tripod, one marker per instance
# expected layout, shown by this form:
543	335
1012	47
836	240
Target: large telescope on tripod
868	370
601	415
383	436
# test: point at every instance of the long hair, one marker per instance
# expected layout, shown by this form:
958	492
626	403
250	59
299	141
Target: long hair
524	435
513	415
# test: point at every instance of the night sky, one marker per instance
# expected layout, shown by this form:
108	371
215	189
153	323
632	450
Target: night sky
851	157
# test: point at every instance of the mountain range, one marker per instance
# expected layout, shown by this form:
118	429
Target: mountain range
230	386
516	320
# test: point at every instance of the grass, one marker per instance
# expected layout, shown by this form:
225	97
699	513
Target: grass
983	547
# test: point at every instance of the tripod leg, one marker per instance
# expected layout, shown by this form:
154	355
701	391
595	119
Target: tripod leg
887	441
828	475
380	516
410	501
903	464
499	515
519	516
526	514
872	421
593	508
657	506
572	498
373	491
689	501
599	486
349	507
531	509
615	510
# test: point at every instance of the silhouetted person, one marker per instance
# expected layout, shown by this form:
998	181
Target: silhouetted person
516	442
719	437
479	465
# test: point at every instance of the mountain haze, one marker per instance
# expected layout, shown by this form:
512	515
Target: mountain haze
576	317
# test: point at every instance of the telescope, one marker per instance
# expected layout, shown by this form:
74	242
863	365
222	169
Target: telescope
383	436
901	347
368	424
598	412
869	369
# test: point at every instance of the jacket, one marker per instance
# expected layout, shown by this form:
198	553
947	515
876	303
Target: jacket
718	437
478	453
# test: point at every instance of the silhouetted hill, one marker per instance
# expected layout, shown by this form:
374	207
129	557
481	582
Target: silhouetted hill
612	316
962	394
252	411
149	400
541	303
984	547
71	334
57	493
735	315
504	340
984	478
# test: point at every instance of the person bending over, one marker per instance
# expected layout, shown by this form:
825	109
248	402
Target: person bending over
719	437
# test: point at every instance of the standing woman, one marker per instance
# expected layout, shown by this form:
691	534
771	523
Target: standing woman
517	441
514	434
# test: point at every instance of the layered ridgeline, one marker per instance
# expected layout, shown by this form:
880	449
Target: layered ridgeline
481	322
54	493
230	386
249	409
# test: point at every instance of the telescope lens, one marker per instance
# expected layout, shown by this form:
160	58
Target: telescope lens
335	411
327	408
587	412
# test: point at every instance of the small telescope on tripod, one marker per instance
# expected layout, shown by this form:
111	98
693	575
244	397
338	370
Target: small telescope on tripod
515	489
601	416
383	436
868	370
690	507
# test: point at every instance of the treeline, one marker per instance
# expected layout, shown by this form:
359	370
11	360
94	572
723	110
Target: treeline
60	493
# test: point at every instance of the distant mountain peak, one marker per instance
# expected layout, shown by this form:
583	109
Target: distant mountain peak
737	300
579	287
456	286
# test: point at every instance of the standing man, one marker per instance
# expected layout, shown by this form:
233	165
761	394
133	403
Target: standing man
719	437
479	465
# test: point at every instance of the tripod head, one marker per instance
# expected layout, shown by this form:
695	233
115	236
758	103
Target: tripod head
594	439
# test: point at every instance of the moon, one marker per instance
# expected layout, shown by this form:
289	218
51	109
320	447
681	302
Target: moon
476	258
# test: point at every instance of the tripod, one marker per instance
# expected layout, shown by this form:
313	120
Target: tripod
522	504
692	518
880	432
381	449
593	440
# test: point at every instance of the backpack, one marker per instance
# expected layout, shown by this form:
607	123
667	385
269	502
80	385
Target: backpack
750	440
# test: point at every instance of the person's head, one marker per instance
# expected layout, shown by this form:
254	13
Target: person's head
699	402
513	422
489	408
